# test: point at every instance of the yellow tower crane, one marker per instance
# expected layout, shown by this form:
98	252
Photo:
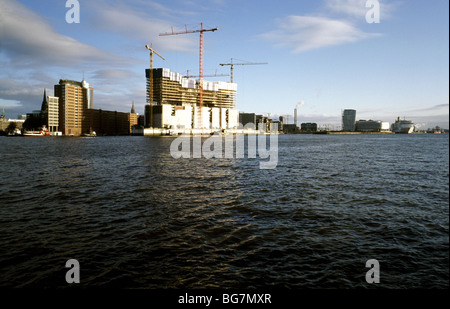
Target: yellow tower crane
150	83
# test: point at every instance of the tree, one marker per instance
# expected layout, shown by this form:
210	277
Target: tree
11	128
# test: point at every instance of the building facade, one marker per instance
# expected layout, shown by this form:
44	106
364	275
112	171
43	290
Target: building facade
348	120
245	118
75	98
53	114
372	126
308	127
104	122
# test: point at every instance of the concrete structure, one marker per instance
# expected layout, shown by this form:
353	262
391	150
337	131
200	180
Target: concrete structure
348	120
188	117
176	104
372	126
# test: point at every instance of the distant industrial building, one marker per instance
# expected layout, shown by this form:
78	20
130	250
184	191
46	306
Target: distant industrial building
246	118
349	120
175	102
289	128
372	126
308	127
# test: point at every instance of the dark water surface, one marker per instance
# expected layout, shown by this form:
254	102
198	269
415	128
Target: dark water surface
134	217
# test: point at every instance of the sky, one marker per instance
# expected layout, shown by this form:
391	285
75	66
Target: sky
323	56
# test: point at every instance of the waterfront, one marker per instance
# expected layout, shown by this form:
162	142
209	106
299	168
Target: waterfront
134	217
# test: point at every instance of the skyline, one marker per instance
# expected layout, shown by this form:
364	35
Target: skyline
323	53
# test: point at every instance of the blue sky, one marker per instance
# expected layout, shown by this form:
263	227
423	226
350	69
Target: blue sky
323	53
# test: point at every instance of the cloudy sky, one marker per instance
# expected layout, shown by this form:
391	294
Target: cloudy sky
323	53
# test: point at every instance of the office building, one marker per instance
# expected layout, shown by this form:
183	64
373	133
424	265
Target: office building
348	120
75	98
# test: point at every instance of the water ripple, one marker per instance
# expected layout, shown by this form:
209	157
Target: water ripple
134	217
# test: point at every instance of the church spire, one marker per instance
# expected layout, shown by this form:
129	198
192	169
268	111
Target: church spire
44	106
133	111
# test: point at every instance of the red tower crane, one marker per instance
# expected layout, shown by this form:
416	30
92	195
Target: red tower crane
200	86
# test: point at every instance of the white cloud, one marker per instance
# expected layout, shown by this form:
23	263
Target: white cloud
112	75
143	27
27	39
302	33
436	110
8	103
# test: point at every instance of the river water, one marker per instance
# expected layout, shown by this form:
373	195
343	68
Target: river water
135	217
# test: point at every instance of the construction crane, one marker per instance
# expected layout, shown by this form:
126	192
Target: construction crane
150	86
231	64
200	87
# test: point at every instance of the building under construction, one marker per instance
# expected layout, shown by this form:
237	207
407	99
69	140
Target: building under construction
173	102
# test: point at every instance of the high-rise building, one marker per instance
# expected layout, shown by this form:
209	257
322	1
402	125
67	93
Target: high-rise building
348	120
75	98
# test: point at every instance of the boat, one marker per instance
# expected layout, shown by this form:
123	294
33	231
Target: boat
90	134
42	132
402	126
435	130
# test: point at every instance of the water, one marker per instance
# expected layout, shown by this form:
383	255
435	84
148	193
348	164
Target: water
134	217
